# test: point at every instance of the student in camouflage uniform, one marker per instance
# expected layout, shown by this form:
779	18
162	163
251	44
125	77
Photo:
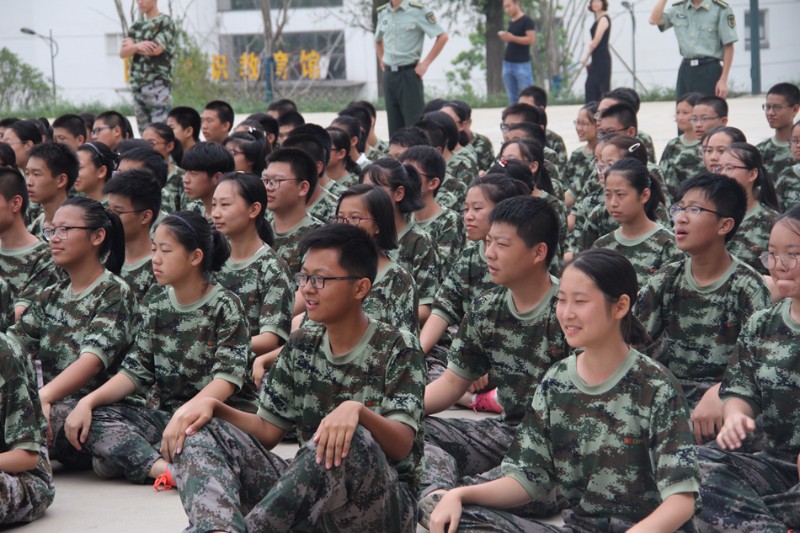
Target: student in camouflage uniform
135	197
26	479
509	332
629	97
607	428
682	157
480	143
787	184
50	173
580	166
341	167
193	343
781	107
79	328
6	306
150	45
25	262
537	97
254	272
161	138
632	198
205	163
462	162
742	162
324	385
759	491
96	165
694	308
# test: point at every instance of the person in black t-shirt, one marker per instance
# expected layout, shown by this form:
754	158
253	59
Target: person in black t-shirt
521	34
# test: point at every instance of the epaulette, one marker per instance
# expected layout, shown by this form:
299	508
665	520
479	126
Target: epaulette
384	6
419	5
679	2
721	3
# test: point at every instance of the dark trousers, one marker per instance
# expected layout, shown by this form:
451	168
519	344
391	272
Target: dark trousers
702	78
405	98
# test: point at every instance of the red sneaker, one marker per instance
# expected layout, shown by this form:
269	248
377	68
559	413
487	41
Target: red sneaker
487	402
164	482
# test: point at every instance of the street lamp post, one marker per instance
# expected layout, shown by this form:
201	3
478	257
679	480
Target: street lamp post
629	6
53	53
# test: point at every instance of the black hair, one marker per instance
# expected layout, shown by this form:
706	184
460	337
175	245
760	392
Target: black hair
12	183
625	114
433	105
140	187
390	173
789	91
631	146
532	131
379	205
223	110
115	119
193	232
282	106
96	216
719	105
499	187
27	130
728	197
790	217
636	174
126	145
535	220
254	128
763	187
429	160
516	170
101	156
319	134
44	128
208	157
303	166
626	95
362	115
591	110
59	158
168	136
74	124
464	113
8	158
447	124
614	276
254	149
291	118
187	117
413	136
532	151
366	105
690	98
310	145
251	189
7	121
736	135
340	140
433	131
353	127
268	123
150	160
88	119
358	253
528	113
538	94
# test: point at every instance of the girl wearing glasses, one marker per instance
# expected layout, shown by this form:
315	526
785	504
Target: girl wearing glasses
193	342
787	184
742	162
762	379
162	139
254	272
716	141
81	326
341	167
249	151
581	162
96	163
681	158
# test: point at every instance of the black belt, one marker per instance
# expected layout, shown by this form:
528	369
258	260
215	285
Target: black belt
398	68
697	61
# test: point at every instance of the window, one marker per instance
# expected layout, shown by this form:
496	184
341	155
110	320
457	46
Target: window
762	29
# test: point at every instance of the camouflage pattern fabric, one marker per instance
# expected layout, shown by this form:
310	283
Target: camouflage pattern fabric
417	254
647	140
647	253
551	162
680	160
446	229
455	187
287	245
139	277
182	348
694	328
393	298
324	207
777	156
787	187
28	271
616	449
752	236
152	102
334	188
578	170
449	200
381	149
36	227
6	306
144	69
556	143
25	495
348	180
468	277
462	167
172	191
484	150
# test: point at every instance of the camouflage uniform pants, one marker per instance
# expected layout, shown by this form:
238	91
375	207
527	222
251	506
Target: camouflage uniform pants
129	437
748	492
152	102
24	497
61	450
229	481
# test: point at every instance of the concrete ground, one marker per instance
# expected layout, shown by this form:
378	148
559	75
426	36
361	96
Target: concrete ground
85	503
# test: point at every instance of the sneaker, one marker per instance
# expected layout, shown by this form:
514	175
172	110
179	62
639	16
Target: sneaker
164	482
486	402
106	469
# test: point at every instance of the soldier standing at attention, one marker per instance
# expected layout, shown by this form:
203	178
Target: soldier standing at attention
399	35
706	31
150	45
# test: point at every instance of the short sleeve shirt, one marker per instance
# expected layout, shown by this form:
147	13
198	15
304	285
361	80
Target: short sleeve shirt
403	31
417	254
28	271
702	31
647	253
519	53
287	244
139	276
393	298
468	278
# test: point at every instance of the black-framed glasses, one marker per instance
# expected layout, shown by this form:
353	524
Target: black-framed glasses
726	169
62	232
690	210
98	130
350	220
119	212
607	133
770	260
318	282
274	183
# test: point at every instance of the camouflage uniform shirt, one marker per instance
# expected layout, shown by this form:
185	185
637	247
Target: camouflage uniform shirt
28	271
172	191
144	69
579	169
446	229
6	306
417	254
680	160
139	277
457	188
787	187
462	167
393	298
752	236
467	278
287	244
776	155
556	143
484	150
647	253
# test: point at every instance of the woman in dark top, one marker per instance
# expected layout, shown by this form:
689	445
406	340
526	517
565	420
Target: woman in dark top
521	34
598	79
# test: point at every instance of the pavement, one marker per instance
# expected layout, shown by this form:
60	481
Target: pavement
83	502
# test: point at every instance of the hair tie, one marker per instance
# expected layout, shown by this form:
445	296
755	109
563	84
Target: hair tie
185	223
634	147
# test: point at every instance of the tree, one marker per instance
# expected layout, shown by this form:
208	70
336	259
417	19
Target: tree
22	86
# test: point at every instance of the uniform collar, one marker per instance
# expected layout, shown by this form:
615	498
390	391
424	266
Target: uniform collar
403	5
706	4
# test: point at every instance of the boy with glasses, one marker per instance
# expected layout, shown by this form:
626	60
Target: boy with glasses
782	105
708	113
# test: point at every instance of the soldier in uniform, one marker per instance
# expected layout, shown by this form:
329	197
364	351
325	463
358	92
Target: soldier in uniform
399	35
706	31
150	45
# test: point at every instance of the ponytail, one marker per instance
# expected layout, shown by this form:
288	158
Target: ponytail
640	178
96	216
192	232
251	189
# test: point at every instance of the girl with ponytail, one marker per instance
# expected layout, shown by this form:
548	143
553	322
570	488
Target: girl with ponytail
192	342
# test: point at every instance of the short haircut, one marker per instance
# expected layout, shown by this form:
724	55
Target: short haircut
437	136
429	160
605	6
88	119
528	113
310	145
538	94
74	124
291	118
140	187
690	98
12	183
151	160
625	115
434	105
320	134
268	123
535	220
284	105
223	110
59	158
447	124
788	91
380	209
303	166
532	131
7	121
187	117
358	254
625	95
115	119
366	105
361	114
719	105
410	136
208	157
727	196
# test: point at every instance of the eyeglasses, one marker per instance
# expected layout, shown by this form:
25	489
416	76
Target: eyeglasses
773	107
62	232
234	153
98	130
582	123
153	144
730	168
119	212
350	220
274	183
770	260
604	134
601	168
795	141
504	127
318	282
690	210
694	119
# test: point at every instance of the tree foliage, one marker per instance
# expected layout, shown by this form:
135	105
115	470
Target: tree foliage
21	85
